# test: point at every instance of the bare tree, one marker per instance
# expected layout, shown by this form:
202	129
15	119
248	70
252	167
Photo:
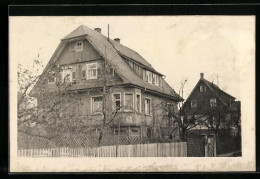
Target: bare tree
57	106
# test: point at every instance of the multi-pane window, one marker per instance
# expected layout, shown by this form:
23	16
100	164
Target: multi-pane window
193	104
79	46
147	106
117	101
149	76
128	101
92	71
213	102
97	104
66	75
138	103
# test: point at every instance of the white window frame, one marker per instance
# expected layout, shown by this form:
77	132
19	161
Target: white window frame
149	76
145	106
126	93
76	46
211	103
65	72
140	103
92	103
114	101
156	82
87	69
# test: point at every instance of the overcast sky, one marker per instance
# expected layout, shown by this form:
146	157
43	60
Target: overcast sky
179	47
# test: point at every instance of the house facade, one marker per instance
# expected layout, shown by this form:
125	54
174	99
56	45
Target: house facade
109	85
209	107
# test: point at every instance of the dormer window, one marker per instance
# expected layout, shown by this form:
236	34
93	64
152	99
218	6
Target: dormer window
79	46
148	76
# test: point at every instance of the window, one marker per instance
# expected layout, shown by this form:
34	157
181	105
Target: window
129	101
138	103
59	78
193	104
156	80
72	46
201	88
79	46
117	101
66	75
147	106
148	76
51	79
120	131
97	104
92	71
213	102
153	75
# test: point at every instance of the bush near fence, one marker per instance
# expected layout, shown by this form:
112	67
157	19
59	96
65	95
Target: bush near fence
178	149
26	141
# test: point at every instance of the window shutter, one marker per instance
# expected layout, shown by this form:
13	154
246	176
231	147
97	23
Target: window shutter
83	73
99	71
59	78
143	105
86	72
73	75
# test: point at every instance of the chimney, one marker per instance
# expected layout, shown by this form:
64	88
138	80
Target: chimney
98	30
117	40
201	75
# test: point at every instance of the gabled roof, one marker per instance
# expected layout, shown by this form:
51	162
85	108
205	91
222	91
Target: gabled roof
214	88
112	52
121	49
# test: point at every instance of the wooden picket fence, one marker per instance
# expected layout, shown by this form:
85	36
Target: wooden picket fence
178	149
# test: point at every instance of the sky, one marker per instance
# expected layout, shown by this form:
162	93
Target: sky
180	47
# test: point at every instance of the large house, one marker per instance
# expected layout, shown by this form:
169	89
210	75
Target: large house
210	107
110	81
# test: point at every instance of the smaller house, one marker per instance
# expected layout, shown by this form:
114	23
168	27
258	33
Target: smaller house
209	107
